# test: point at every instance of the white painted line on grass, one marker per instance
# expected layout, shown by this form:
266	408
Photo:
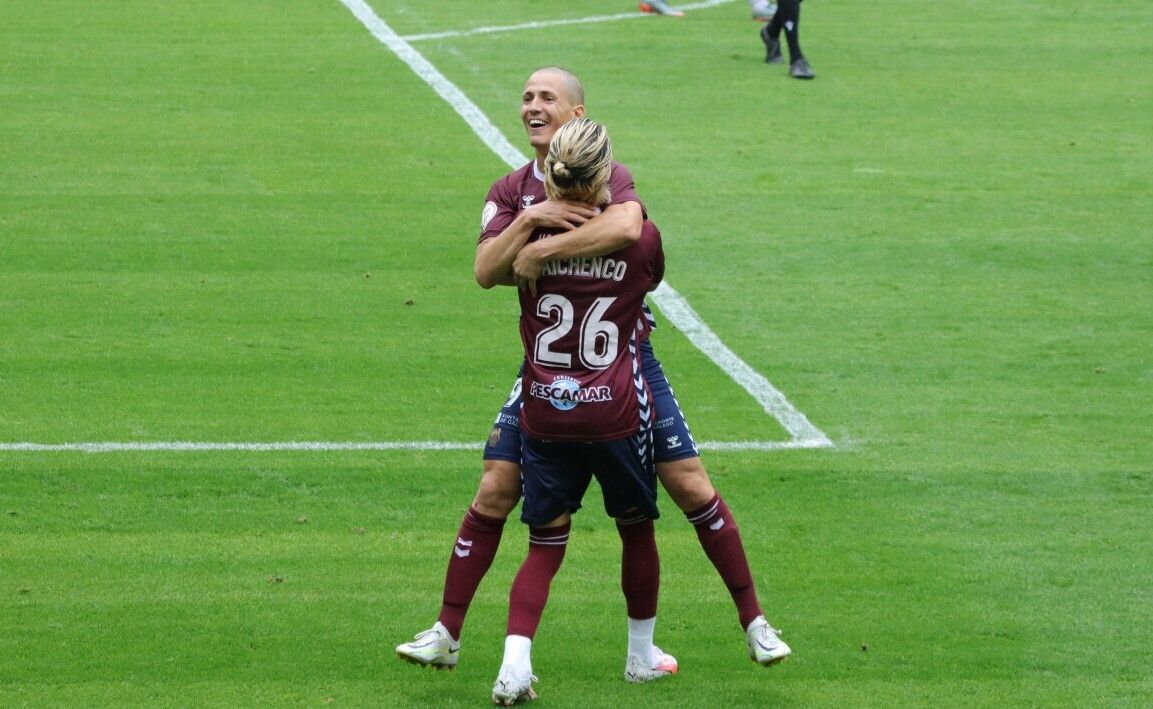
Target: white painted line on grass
671	304
677	310
448	91
190	446
323	446
542	24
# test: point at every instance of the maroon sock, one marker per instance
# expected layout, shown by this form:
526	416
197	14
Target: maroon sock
472	555
526	600
640	567
721	541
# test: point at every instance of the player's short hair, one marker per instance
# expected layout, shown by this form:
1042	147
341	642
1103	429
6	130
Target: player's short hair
579	163
572	85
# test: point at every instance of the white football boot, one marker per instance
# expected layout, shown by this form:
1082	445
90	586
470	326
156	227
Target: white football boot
765	648
513	685
637	670
433	648
659	7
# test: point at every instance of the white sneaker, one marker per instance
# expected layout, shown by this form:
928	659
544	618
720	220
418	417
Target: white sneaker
434	647
637	670
765	648
513	685
659	7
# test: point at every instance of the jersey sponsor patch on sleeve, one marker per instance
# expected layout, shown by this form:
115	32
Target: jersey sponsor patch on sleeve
487	214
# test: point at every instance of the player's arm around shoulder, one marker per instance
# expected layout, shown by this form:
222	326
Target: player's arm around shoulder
616	228
500	235
493	263
495	255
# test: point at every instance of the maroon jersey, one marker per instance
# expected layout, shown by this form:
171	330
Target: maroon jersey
580	332
525	187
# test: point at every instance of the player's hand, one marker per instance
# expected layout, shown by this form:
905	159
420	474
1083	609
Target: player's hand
527	285
526	268
559	214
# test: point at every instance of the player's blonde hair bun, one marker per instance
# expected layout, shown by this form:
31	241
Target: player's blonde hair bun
579	163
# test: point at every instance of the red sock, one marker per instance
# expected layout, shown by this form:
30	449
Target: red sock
526	600
721	541
472	555
640	567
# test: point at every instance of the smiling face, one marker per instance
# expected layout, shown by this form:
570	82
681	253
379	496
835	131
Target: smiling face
551	98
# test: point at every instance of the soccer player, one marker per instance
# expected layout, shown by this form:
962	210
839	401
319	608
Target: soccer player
788	18
587	411
516	206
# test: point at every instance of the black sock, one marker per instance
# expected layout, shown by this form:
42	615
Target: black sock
788	18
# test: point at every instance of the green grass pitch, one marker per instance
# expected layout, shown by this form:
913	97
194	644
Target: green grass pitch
251	222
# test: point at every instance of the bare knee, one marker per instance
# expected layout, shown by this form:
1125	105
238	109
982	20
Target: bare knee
687	482
499	489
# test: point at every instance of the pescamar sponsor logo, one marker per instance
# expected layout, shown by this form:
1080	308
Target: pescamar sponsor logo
564	393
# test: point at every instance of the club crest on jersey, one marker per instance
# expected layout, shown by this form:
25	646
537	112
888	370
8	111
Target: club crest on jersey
564	393
526	200
487	214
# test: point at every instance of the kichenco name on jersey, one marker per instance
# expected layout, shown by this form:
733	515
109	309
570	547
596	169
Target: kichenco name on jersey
609	269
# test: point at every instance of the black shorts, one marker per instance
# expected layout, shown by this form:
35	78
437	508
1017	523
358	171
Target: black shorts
556	474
